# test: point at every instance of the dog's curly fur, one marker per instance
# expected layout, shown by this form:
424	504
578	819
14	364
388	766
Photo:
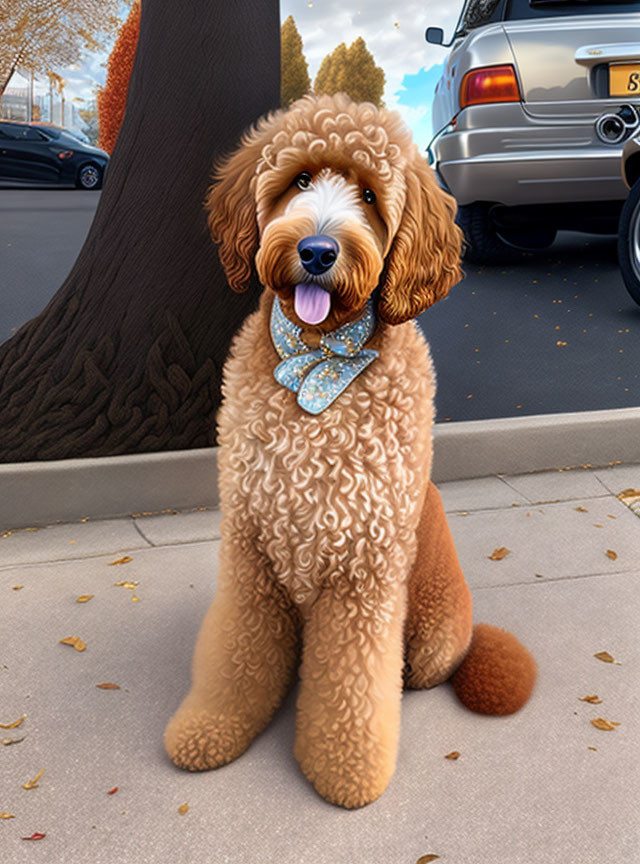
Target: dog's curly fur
335	546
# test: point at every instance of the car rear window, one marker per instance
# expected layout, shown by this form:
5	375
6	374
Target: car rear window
519	9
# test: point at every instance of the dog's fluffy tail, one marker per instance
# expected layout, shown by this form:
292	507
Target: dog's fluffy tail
498	673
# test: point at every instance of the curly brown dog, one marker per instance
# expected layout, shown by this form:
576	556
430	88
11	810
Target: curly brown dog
335	546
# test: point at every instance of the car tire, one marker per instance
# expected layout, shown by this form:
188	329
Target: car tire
487	243
629	243
89	177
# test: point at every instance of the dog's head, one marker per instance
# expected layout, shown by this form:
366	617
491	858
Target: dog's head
332	198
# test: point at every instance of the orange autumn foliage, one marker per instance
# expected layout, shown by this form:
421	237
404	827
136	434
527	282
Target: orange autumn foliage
112	98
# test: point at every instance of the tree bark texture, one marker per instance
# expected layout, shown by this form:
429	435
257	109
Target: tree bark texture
127	356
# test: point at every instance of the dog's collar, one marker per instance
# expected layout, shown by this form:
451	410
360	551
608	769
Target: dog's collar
320	376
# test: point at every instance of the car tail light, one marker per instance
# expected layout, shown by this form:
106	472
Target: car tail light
491	84
65	154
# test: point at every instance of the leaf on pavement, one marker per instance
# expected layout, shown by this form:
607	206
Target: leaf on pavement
606	658
84	598
425	859
124	560
112	791
15	723
7	816
629	493
593	700
611	554
9	741
183	809
499	554
453	755
32	784
129	585
582	509
76	641
36	836
108	686
605	725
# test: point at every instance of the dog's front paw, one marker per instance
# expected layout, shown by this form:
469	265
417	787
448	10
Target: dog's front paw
198	739
344	775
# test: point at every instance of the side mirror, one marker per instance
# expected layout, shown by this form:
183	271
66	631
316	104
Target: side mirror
435	35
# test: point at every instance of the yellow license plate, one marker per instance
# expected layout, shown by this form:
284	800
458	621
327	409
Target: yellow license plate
624	80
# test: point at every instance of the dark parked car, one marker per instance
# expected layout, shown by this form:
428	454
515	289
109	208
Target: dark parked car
33	153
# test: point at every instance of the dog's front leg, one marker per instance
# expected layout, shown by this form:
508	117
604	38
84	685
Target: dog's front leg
242	665
348	717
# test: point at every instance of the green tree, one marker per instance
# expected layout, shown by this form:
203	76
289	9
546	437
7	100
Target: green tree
295	81
352	71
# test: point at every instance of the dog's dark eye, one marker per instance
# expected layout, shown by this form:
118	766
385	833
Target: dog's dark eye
303	180
369	196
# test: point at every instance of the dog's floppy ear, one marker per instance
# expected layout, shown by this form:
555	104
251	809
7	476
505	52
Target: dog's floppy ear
424	260
231	207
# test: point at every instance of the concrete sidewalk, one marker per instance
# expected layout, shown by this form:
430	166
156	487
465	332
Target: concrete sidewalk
544	786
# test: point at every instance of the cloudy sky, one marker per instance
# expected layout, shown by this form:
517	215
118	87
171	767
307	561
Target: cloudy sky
395	37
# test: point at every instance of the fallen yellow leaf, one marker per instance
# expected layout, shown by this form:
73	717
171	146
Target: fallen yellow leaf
124	560
15	723
425	859
31	784
499	554
84	598
135	599
605	725
604	656
611	554
76	641
582	509
108	686
8	741
7	816
129	585
592	748
17	587
183	809
593	700
453	755
629	493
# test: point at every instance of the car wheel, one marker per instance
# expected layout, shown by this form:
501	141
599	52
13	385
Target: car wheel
629	243
89	177
490	243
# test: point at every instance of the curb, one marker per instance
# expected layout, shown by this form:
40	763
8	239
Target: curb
66	490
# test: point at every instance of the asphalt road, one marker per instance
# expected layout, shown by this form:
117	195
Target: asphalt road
557	332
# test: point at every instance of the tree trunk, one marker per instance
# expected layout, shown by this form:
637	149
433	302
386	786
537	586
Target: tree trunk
127	356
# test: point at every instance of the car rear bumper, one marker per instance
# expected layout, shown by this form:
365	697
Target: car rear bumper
499	153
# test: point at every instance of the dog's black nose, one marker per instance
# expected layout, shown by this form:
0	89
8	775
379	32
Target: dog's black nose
318	253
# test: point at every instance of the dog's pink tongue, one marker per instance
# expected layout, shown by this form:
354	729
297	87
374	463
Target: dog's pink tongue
312	303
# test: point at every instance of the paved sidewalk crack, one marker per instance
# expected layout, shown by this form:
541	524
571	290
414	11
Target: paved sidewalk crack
139	530
550	580
513	489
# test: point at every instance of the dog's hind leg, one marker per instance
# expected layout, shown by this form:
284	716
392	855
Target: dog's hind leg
438	625
242	665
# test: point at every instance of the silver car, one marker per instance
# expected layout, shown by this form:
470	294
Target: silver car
629	228
534	106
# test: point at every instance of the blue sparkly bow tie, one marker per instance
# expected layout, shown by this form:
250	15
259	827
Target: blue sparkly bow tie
320	376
